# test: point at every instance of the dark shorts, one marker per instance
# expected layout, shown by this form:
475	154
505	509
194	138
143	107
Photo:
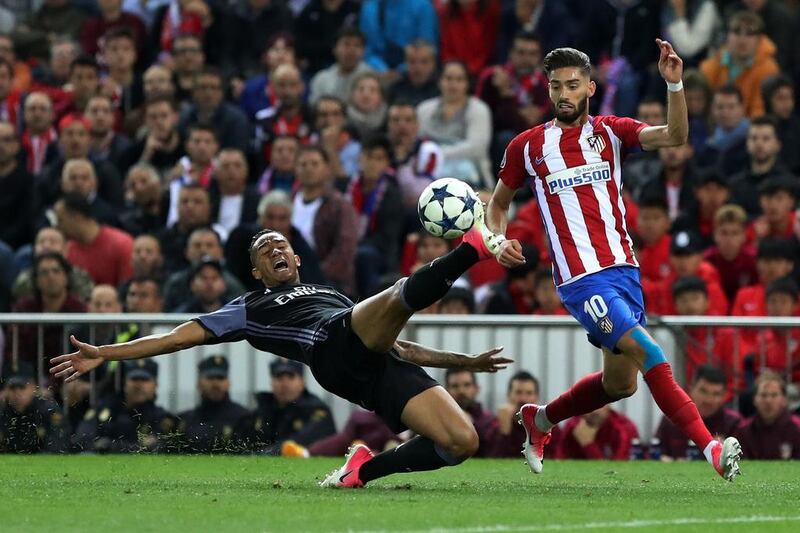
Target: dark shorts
380	382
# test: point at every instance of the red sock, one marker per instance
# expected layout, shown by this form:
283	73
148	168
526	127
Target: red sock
586	395
676	404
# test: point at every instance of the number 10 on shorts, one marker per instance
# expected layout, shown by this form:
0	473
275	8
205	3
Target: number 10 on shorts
595	307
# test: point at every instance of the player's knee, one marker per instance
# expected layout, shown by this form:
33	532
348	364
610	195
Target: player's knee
463	442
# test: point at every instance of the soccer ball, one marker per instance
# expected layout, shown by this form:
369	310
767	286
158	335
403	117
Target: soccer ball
448	207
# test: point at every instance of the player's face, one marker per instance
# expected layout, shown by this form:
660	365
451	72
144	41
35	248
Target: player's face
781	304
462	387
275	263
769	401
770	269
708	396
522	391
729	238
570	90
214	389
139	391
691	303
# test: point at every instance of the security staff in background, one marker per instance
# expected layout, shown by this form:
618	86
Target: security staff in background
132	423
29	423
212	426
289	412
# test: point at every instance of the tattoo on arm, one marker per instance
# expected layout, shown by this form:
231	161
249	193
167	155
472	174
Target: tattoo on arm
430	357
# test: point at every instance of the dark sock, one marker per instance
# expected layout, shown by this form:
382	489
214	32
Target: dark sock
417	455
427	285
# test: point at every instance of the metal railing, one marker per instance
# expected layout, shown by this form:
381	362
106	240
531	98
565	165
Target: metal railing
552	348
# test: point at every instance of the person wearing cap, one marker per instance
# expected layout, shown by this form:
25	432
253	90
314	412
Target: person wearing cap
288	413
732	256
207	286
711	192
709	390
686	259
352	349
214	425
778	198
29	423
133	422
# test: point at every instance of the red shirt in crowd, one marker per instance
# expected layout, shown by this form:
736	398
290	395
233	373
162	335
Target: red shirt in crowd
107	259
775	348
654	259
527	227
95	28
736	273
713	346
674	441
471	35
613	439
779	440
759	229
659	295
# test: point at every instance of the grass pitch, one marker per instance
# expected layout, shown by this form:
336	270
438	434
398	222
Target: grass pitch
162	493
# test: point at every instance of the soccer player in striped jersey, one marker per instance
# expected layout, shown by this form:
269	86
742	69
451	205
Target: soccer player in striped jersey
573	164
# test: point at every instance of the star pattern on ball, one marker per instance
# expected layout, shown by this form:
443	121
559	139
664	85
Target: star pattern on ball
440	193
447	223
469	203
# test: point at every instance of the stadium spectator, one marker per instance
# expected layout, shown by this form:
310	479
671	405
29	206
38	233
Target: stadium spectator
30	423
708	392
337	79
39	136
143	296
203	244
376	200
133	423
208	107
535	16
51	240
726	147
156	82
189	60
334	136
146	261
233	201
279	174
416	161
207	288
274	212
20	70
16	183
176	18
746	60
361	426
55	73
778	92
257	93
463	386
105	144
104	252
289	412
516	294
779	19
9	97
711	192
777	198
516	92
83	83
54	17
194	211
162	147
212	426
601	434
772	433
195	168
457	301
51	294
78	177
289	115
256	22
691	27
731	255
111	16
390	26
366	106
325	219
653	231
460	123
316	29
144	210
468	32
775	259
672	181
122	82
698	104
546	296
523	388
419	81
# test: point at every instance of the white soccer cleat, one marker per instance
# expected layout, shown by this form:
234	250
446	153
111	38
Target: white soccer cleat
725	458
535	439
347	475
481	237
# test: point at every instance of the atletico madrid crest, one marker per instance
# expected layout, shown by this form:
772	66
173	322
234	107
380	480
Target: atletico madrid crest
597	143
605	325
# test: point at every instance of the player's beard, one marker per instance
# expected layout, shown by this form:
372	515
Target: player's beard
568	117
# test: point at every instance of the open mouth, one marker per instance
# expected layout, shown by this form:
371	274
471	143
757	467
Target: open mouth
280	265
566	107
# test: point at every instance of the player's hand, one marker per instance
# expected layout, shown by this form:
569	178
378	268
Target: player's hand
510	255
669	64
487	361
73	365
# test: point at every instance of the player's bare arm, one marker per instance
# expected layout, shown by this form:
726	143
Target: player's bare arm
430	357
88	357
676	131
510	255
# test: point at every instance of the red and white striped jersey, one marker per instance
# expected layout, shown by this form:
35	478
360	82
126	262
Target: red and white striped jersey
577	177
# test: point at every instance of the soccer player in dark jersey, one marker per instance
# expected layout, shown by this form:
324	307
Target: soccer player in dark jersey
352	349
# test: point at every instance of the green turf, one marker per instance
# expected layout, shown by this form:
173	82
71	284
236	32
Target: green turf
164	493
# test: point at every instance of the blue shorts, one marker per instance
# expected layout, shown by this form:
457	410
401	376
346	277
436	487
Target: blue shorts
608	304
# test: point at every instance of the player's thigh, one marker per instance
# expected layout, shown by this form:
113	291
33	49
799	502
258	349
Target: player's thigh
620	374
434	414
379	319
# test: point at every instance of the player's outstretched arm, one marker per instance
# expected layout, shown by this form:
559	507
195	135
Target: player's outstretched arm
510	255
430	357
676	131
88	357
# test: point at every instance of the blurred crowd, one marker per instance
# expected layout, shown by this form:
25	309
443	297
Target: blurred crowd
142	144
